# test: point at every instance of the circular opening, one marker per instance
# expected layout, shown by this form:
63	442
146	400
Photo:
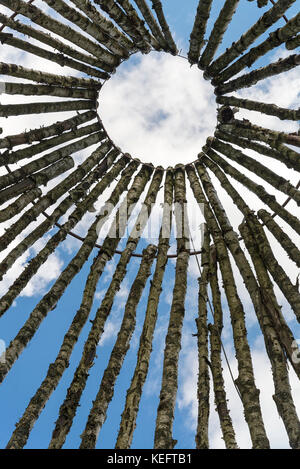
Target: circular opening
158	108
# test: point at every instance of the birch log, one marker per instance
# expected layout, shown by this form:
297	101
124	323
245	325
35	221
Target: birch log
250	79
134	392
166	407
238	47
97	414
245	381
57	128
198	32
269	109
68	408
203	387
275	39
81	58
73	197
218	31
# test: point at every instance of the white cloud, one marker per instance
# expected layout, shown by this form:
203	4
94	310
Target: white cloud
160	110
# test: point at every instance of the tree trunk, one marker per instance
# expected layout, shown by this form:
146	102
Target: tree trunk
218	31
250	79
52	196
238	47
60	59
257	189
74	196
104	24
259	148
293	43
275	352
215	355
31	150
275	346
165	411
134	392
282	330
60	46
269	109
73	219
49	301
285	241
40	178
275	39
17	206
253	132
125	23
45	132
201	438
97	415
48	78
108	60
245	382
139	24
151	21
39	163
198	32
68	408
289	290
27	89
55	371
157	7
280	183
76	18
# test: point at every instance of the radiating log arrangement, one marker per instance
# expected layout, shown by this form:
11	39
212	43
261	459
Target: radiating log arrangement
45	192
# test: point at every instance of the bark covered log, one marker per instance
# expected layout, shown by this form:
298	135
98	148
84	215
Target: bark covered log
166	407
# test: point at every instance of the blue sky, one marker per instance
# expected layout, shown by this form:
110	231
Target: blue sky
31	367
